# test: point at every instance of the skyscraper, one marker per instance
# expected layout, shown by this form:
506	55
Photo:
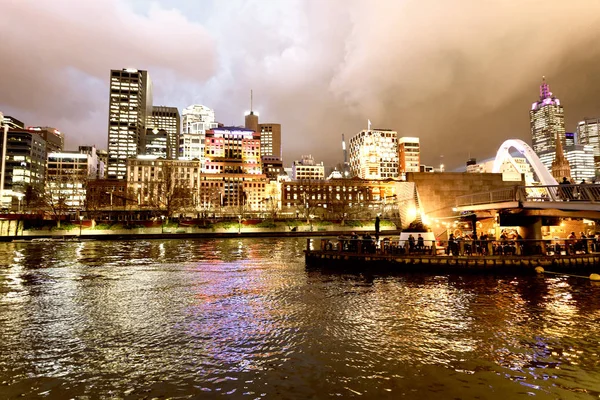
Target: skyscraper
374	154
167	119
588	133
547	121
270	139
130	105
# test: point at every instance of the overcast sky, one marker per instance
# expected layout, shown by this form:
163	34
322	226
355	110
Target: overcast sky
459	74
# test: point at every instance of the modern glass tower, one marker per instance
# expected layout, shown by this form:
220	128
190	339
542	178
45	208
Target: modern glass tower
547	121
130	105
167	119
588	133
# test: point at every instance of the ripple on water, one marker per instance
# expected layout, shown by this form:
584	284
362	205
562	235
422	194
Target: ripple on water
243	317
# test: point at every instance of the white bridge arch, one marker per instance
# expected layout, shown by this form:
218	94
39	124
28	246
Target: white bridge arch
540	170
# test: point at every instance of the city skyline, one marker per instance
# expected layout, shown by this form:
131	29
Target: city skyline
438	72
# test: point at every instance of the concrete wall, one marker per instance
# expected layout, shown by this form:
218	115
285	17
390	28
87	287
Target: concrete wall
438	191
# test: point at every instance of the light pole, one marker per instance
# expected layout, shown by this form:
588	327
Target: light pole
20	197
80	221
239	224
162	224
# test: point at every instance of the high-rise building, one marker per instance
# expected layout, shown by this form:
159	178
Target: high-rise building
374	154
547	121
408	154
67	175
251	121
130	105
55	140
168	120
197	119
270	139
157	143
25	163
308	169
581	160
233	169
588	133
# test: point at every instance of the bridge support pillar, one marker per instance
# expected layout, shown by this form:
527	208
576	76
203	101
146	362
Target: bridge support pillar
531	230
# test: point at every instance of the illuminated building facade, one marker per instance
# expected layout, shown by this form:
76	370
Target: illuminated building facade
588	133
581	160
167	119
374	154
67	174
270	139
547	122
307	169
233	170
197	119
170	185
25	161
409	154
130	106
157	143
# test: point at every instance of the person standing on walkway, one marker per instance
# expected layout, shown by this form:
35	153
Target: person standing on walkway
377	230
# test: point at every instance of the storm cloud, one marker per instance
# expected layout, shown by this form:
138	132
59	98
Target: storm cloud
459	74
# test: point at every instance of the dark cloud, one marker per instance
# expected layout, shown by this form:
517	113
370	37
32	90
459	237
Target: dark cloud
459	74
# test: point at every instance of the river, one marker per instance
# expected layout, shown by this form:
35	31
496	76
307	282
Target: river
244	318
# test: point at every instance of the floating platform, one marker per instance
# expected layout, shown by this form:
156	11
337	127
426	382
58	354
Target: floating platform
579	263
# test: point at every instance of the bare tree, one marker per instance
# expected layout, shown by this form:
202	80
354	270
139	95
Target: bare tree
171	192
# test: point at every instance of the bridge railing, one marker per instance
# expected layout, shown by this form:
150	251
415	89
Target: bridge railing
545	193
495	196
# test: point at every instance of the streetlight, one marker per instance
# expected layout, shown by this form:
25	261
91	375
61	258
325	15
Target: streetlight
239	224
20	197
80	220
162	224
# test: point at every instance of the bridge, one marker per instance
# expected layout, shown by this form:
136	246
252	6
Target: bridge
583	197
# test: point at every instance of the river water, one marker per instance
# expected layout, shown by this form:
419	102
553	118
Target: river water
244	318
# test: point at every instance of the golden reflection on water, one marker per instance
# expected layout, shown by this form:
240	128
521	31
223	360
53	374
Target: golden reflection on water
197	317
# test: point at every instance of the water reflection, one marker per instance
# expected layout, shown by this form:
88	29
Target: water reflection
240	316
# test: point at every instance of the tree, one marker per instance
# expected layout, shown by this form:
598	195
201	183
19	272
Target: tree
171	191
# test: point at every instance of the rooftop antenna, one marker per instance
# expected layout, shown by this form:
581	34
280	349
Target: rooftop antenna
251	102
369	124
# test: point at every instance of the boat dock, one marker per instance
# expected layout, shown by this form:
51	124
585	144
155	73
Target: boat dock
515	257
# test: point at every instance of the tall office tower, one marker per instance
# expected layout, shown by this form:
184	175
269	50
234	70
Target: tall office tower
374	154
130	105
409	153
588	133
581	160
167	119
233	168
270	139
197	119
55	140
547	121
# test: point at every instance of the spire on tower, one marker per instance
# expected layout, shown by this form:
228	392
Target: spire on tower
251	102
545	90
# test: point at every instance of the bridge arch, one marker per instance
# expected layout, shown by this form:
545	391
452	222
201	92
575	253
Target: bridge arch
503	155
